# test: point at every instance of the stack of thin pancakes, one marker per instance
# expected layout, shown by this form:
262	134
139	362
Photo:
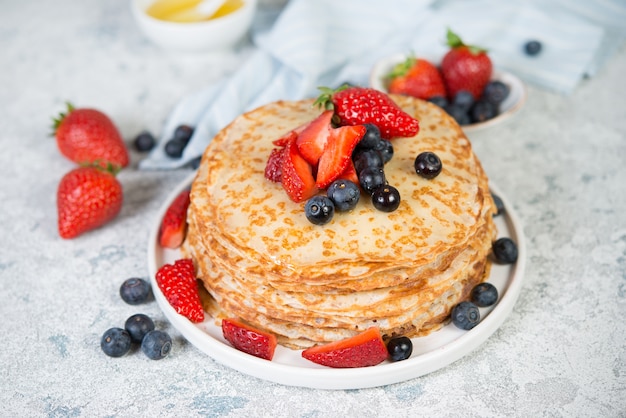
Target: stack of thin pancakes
262	261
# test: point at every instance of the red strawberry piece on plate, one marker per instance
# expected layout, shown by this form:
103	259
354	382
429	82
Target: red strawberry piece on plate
338	153
297	175
350	173
248	339
362	350
174	224
89	136
87	197
312	140
416	77
284	140
273	167
179	286
465	67
361	105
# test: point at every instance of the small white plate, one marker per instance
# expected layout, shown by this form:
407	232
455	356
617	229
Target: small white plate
511	105
430	353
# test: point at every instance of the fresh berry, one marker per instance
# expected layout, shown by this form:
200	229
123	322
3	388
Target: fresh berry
144	142
362	350
194	163
463	99
484	294
532	48
337	154
460	115
400	348
483	111
496	92
386	150
361	105
319	210
88	136
428	165
179	286
416	77
367	158
440	101
344	194
465	67
138	326
505	251
386	198
183	133
497	200
135	291
273	170
156	344
349	174
115	342
174	148
174	224
313	138
248	339
370	139
87	197
371	178
465	315
297	175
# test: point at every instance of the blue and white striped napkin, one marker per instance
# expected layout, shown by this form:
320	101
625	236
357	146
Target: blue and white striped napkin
328	42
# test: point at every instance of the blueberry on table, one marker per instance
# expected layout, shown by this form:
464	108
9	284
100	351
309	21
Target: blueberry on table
463	99
344	194
174	148
115	342
144	142
183	133
135	291
496	92
386	198
465	315
400	348
484	294
458	113
138	326
482	111
319	210
500	209
532	47
505	251
440	101
156	344
428	165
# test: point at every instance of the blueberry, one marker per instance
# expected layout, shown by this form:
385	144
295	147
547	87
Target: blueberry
532	48
483	111
465	315
458	113
428	165
499	204
484	294
183	133
194	164
399	348
385	148
367	158
371	178
440	101
505	251
156	344
319	210
344	194
463	99
144	142
496	92
135	291
370	138
138	326
174	148
386	198
115	342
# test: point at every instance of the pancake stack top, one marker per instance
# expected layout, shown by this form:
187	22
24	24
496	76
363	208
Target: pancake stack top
262	261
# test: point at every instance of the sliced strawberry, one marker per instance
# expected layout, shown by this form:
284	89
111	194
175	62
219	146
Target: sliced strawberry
174	223
273	168
338	153
312	140
178	284
350	173
362	350
297	175
248	339
286	139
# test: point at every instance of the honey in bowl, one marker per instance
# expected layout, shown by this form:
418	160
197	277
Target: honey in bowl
184	11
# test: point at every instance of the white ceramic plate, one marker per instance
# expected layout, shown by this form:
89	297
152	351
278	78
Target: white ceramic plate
430	353
511	105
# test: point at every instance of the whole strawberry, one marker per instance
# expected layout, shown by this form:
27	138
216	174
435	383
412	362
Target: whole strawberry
361	105
89	136
179	286
416	77
87	197
465	67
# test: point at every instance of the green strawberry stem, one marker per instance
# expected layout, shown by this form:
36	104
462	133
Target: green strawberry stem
57	121
325	100
455	41
402	68
108	168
